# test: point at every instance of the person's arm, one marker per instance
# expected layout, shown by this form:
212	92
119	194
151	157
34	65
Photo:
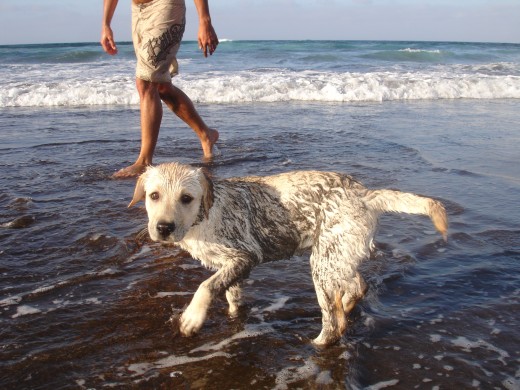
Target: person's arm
208	40
107	36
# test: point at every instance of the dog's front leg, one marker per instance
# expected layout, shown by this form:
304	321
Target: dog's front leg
195	315
225	279
234	298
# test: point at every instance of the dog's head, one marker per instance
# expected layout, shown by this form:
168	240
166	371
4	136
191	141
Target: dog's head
176	196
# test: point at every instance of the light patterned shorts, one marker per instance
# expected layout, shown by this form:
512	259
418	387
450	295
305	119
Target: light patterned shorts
157	29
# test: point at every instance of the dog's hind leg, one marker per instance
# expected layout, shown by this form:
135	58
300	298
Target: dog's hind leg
341	244
349	300
333	320
337	293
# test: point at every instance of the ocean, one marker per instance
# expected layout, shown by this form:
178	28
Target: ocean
85	299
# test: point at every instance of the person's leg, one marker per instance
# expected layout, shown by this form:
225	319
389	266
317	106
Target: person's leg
151	117
158	29
183	107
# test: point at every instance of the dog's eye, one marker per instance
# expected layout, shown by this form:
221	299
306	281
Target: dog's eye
154	196
186	199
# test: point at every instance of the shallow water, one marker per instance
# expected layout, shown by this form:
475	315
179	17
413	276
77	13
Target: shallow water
85	300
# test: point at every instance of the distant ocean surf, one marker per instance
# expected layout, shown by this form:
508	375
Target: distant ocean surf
267	71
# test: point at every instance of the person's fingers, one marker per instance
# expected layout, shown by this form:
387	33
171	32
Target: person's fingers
204	49
208	42
109	46
113	46
107	41
213	45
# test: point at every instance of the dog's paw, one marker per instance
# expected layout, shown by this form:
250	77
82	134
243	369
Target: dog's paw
325	339
192	319
233	311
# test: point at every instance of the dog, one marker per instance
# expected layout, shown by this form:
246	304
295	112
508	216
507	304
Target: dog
234	224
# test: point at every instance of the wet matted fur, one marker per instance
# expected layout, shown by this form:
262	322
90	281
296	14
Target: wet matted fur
232	225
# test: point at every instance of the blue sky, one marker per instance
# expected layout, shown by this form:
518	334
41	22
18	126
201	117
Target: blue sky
49	21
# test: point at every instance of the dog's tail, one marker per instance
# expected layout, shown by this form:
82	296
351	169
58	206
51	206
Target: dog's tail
403	202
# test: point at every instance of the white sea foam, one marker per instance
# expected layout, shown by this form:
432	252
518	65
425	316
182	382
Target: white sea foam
276	305
293	374
172	361
249	332
93	301
324	378
383	385
216	349
164	294
107	271
410	50
435	338
144	250
189	266
272	86
14	300
468	345
312	71
24	310
279	86
511	383
439	319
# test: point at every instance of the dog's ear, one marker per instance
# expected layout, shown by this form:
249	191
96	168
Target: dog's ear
139	192
207	187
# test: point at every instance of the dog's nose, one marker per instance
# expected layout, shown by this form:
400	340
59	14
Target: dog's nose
165	228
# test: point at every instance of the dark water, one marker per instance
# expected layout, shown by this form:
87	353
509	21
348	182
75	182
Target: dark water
85	300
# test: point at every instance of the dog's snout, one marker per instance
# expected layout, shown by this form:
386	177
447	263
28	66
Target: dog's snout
165	228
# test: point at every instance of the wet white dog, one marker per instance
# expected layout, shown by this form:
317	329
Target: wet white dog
232	225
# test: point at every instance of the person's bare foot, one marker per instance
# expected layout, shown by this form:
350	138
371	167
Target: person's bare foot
209	142
131	171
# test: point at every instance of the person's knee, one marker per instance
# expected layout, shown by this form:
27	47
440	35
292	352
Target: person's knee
145	87
166	90
162	88
168	94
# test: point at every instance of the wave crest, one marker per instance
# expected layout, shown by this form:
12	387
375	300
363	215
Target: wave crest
274	86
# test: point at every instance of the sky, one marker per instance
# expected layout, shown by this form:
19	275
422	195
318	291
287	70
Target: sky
63	21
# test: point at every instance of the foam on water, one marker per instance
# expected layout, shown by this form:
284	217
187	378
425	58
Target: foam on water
410	50
172	361
468	345
164	294
383	384
278	304
217	349
272	86
292	374
25	310
249	332
11	301
80	75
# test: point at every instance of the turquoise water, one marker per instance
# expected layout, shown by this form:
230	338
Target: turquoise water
267	71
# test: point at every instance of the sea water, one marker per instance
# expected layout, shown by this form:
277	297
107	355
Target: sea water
266	71
86	298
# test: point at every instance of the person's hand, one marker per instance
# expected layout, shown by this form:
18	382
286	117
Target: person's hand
208	40
107	41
